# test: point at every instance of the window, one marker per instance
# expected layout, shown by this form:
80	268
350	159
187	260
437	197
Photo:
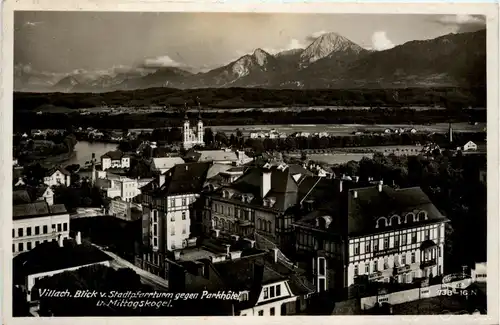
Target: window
28	231
386	263
20	232
172	203
266	293
375	266
367	268
368	246
322	266
375	245
59	227
356	270
155	230
155	216
261	313
322	285
28	245
271	292
13	233
53	227
20	247
45	229
396	241
403	259
271	311
413	237
427	234
37	230
403	239
278	290
356	249
386	242
13	248
184	202
65	226
155	241
413	257
439	250
183	215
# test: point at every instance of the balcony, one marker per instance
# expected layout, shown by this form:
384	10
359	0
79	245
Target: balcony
426	264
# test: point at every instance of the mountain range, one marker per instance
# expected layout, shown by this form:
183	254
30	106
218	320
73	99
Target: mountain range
330	61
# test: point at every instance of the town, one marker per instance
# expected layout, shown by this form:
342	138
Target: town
370	232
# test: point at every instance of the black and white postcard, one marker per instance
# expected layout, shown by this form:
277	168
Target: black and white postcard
217	160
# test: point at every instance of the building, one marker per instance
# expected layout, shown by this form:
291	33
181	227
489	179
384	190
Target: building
261	200
36	223
470	146
28	194
52	258
57	176
163	164
115	159
192	137
265	285
374	233
167	205
120	186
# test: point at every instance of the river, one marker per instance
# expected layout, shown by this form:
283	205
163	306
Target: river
84	150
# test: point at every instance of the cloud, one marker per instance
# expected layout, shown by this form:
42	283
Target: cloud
311	38
161	62
463	23
292	45
381	42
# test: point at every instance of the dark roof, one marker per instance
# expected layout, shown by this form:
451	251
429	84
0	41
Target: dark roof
36	209
284	189
192	155
50	256
180	179
115	155
51	171
20	197
28	194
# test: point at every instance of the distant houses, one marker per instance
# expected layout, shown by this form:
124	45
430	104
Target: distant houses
57	176
115	159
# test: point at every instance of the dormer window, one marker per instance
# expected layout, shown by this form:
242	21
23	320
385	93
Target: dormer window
395	220
409	217
381	222
422	215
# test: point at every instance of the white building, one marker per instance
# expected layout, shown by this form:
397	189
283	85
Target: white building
192	137
52	258
57	176
470	146
115	159
38	222
167	209
123	187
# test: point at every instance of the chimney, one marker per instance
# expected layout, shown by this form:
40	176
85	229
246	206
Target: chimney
380	184
60	241
78	238
355	193
161	180
266	182
275	255
187	167
228	249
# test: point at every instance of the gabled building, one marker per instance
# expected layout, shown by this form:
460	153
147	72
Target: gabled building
369	233
261	200
29	194
168	210
163	164
57	176
115	159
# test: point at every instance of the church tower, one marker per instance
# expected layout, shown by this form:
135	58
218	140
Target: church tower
186	131
200	131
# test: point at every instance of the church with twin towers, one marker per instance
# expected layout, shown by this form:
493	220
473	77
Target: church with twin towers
192	136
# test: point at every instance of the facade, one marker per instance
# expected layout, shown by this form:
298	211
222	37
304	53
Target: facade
122	187
115	159
53	258
36	223
261	200
167	205
373	233
57	176
192	137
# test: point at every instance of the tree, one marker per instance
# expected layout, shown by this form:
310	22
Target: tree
209	136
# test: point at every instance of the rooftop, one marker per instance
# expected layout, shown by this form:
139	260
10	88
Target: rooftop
167	162
37	209
115	155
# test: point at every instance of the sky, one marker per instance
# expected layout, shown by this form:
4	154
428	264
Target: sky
66	42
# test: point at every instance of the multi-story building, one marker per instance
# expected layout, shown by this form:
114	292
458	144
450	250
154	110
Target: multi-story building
115	159
192	137
122	187
167	211
261	200
374	233
57	176
38	222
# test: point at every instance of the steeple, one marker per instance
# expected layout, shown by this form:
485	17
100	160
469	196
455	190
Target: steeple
199	108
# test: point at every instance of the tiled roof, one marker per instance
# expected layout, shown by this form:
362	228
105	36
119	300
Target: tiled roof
20	197
167	162
36	209
28	194
115	155
50	256
51	171
217	155
181	179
